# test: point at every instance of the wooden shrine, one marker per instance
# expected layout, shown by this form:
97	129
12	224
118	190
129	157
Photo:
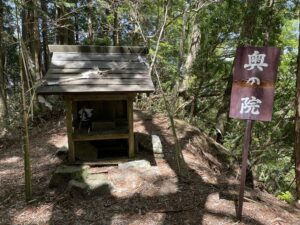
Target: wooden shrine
98	85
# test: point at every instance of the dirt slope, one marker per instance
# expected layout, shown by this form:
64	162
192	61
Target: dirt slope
156	196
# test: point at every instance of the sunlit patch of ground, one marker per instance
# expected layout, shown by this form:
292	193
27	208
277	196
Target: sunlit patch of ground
138	219
39	214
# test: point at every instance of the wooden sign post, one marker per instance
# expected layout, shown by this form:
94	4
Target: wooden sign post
252	95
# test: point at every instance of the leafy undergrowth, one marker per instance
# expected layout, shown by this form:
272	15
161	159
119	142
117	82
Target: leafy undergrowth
205	196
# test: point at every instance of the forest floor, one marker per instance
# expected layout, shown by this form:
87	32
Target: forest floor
157	195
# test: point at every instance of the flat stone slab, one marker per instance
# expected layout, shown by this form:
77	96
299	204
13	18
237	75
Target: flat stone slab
98	184
64	173
133	180
92	185
137	164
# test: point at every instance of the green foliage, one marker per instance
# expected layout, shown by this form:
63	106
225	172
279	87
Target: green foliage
277	171
286	196
68	4
272	144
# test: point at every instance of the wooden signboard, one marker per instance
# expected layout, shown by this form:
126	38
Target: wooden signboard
252	95
254	83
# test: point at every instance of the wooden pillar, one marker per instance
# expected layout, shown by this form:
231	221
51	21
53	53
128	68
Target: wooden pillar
69	118
130	127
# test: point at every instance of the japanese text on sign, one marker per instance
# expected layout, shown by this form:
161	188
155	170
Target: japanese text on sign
252	104
253	83
256	60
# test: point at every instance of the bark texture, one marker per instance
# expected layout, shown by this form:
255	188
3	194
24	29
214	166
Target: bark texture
297	124
90	22
116	39
194	47
36	41
3	103
44	8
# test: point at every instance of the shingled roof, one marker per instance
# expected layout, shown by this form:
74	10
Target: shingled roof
96	69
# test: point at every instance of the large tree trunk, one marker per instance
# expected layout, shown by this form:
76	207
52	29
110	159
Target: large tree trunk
25	17
27	23
31	37
297	125
34	46
183	40
3	102
44	8
194	47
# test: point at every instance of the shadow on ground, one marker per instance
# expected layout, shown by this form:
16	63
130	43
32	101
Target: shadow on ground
186	206
190	199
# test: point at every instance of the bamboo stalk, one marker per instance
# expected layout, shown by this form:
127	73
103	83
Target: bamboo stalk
25	132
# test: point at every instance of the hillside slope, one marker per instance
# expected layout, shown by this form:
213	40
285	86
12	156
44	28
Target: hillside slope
155	195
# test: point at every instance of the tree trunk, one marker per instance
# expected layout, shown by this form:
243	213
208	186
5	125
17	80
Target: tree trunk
116	41
70	25
30	32
297	124
183	39
25	23
76	25
135	36
26	34
24	115
61	35
44	8
25	139
194	47
90	22
65	32
36	41
250	20
3	102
